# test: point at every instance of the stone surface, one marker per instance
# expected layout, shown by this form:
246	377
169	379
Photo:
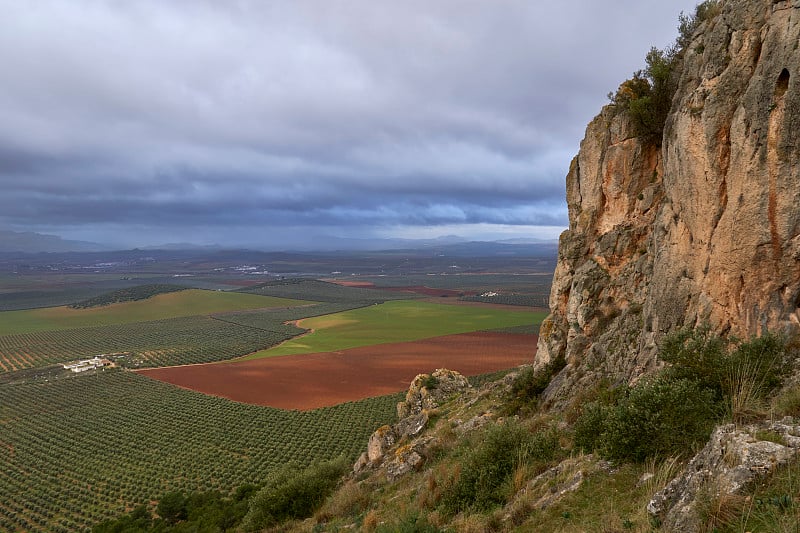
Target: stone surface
403	447
380	441
704	228
411	426
732	460
407	458
428	391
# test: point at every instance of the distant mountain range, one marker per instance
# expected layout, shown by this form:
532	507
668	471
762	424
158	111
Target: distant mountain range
29	242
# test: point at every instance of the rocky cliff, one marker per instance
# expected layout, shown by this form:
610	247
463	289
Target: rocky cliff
701	225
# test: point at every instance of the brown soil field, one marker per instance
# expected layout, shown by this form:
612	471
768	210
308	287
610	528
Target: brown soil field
323	379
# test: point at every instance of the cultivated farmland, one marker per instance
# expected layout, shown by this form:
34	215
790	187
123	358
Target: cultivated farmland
77	449
322	379
174	341
397	321
172	305
81	449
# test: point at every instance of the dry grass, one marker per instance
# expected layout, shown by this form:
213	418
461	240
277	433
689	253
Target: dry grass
745	390
723	511
370	522
351	499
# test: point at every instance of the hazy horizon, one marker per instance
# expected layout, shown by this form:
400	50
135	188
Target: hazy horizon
275	124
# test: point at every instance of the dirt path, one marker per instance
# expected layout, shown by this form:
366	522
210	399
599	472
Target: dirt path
323	379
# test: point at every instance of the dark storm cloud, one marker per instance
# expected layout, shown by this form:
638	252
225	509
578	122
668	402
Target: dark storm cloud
128	120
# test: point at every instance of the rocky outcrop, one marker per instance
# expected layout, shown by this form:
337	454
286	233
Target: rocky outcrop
428	391
732	461
703	227
402	447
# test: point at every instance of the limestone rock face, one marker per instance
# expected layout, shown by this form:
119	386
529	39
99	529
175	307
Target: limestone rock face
733	460
704	228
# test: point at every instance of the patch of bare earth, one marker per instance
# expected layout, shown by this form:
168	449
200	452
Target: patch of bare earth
323	379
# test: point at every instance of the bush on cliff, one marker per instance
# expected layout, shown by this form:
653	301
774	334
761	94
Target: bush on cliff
647	96
741	374
708	378
529	385
486	470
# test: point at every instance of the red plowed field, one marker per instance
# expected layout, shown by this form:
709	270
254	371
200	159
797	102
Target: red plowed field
323	379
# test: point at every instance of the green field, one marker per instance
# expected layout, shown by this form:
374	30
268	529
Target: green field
172	305
167	342
322	291
397	321
81	449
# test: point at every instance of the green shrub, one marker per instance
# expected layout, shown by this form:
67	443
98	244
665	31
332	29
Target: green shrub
787	403
658	418
530	384
172	507
431	382
647	96
696	354
197	511
138	520
292	493
487	468
688	24
589	426
708	376
740	373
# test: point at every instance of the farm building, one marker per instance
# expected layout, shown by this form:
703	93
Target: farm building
86	364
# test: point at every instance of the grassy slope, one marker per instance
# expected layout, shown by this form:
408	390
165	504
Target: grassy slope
397	321
172	305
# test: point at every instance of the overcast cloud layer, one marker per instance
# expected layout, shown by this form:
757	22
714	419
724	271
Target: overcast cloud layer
265	123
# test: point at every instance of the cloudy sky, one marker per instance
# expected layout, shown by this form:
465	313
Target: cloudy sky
276	122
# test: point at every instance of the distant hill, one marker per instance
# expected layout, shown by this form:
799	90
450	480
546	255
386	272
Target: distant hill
29	242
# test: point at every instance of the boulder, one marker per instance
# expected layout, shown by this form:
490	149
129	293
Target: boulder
402	447
732	460
380	441
429	391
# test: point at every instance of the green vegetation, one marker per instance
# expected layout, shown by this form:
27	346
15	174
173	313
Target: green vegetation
174	341
398	321
291	493
270	319
740	374
321	291
647	96
688	24
656	418
54	289
483	480
709	377
529	386
770	506
177	304
132	294
527	300
196	511
79	450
